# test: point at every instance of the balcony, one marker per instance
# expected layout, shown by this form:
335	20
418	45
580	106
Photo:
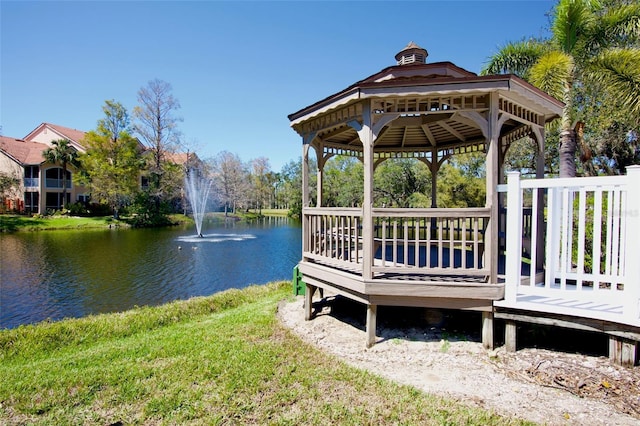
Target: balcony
31	182
57	183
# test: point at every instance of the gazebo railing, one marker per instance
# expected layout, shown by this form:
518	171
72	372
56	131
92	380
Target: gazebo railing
334	235
404	241
430	241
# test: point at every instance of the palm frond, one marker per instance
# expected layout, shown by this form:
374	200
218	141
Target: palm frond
552	73
617	27
618	71
572	18
515	58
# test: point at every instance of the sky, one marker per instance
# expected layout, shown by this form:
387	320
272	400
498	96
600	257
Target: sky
237	68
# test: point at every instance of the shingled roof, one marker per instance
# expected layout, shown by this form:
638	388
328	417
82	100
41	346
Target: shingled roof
21	151
73	135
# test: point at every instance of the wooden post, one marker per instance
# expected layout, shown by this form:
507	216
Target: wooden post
320	160
433	168
305	194
306	143
510	331
372	311
492	166
552	250
487	330
366	137
622	351
502	219
514	237
308	301
539	215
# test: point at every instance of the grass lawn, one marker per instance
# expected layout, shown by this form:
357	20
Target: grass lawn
15	223
12	223
223	359
275	212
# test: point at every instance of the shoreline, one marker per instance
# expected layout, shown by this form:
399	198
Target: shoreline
13	223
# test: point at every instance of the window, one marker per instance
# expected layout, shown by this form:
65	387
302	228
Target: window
53	178
144	182
31	176
54	200
31	202
83	198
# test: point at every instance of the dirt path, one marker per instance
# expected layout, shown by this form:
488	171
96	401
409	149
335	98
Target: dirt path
538	385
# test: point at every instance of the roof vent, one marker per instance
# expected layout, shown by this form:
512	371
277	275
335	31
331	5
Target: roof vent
412	54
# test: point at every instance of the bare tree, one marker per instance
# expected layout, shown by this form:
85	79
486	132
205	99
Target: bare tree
156	125
230	180
261	188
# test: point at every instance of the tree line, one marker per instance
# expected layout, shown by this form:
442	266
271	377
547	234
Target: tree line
138	165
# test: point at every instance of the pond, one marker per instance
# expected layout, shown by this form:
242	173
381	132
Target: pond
52	275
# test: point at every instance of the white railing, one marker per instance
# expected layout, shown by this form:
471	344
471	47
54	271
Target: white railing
583	240
408	241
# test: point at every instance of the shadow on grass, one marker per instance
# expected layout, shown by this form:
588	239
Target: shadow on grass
13	223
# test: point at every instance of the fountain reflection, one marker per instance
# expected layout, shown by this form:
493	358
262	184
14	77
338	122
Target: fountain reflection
215	238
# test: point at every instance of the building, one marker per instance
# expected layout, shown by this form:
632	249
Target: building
41	183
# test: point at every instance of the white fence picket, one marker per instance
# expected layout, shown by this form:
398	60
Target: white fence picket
577	209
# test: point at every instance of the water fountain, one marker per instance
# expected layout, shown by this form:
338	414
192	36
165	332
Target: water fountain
198	186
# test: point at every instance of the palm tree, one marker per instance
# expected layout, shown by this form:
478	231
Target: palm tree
593	44
61	152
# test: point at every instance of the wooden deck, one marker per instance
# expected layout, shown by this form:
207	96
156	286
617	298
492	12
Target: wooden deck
584	231
418	254
437	258
570	303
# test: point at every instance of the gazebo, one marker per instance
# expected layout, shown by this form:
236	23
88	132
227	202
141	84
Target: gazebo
428	257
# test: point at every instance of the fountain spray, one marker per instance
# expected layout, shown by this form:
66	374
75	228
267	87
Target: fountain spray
198	186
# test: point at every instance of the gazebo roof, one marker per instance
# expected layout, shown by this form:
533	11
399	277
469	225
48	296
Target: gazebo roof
431	104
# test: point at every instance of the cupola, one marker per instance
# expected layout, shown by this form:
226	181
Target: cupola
412	54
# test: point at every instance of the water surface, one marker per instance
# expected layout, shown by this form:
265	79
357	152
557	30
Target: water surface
58	274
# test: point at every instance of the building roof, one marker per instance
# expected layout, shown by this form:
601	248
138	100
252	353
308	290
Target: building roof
21	151
76	137
71	134
427	110
61	132
436	77
180	158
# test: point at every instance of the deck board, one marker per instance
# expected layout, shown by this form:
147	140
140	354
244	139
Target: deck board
570	307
